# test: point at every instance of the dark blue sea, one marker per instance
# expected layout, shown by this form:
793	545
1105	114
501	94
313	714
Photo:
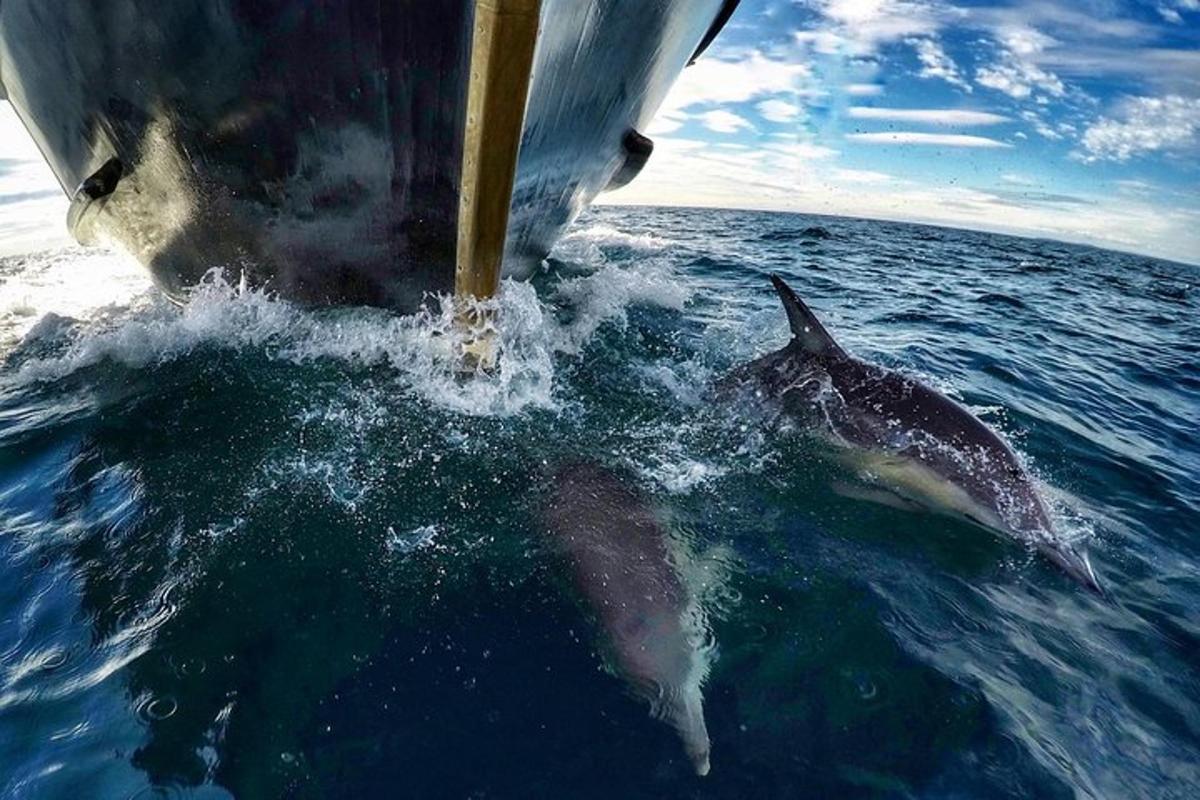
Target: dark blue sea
250	550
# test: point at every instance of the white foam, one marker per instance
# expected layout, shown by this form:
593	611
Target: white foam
422	349
69	283
606	295
683	474
584	240
413	540
686	381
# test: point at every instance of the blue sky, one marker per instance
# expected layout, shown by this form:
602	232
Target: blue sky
1070	120
1076	121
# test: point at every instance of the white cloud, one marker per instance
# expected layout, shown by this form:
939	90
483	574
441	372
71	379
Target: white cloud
719	82
936	139
824	42
779	111
1016	72
1019	79
1034	118
1134	186
1170	15
1170	10
861	176
929	116
1078	21
859	27
721	121
1025	41
804	151
935	63
863	89
715	81
1145	125
858	12
665	124
1169	71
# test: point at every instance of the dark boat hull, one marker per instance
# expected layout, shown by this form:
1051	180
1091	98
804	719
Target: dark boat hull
315	146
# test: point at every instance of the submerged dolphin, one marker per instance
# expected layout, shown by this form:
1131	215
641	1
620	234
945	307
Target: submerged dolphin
620	557
919	444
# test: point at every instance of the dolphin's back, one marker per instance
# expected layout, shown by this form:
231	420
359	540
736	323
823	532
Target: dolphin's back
894	401
878	409
615	544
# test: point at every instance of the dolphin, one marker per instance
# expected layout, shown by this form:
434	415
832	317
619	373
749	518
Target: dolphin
924	450
621	562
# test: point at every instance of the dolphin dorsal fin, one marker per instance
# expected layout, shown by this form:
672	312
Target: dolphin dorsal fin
807	330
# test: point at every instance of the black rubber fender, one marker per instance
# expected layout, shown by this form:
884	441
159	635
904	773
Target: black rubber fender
89	199
637	149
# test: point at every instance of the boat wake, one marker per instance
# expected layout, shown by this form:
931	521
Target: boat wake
421	351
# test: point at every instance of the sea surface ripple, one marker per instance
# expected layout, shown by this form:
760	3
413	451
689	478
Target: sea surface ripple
252	550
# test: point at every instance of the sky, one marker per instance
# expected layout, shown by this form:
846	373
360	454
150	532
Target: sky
33	209
1077	121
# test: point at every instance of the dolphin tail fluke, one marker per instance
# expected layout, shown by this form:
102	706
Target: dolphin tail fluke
807	330
686	714
1074	562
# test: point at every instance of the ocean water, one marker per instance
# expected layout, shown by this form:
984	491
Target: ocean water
250	550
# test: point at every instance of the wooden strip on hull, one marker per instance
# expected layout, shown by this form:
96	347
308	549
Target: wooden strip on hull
501	60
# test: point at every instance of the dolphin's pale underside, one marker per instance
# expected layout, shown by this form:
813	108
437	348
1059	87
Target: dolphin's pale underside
621	560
